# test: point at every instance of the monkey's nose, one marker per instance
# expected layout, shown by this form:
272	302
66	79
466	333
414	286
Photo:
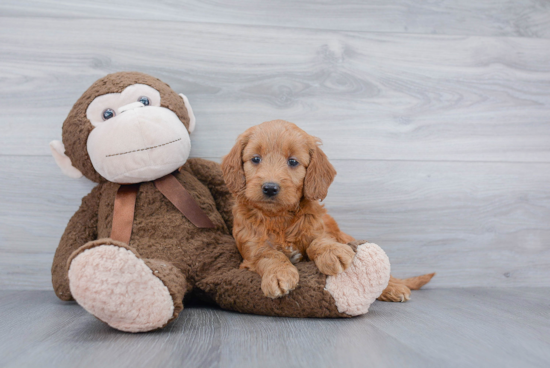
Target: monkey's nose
130	106
270	189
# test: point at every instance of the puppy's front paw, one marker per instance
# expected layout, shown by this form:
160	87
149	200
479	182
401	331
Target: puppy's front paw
280	281
335	259
395	293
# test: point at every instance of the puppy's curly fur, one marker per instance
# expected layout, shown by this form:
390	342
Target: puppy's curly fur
283	224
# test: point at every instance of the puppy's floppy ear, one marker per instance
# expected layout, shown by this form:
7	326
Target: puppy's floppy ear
320	174
232	165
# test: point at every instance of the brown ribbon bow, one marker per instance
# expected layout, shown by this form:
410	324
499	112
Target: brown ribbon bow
171	188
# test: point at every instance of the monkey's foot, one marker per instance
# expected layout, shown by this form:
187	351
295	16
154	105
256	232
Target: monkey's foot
355	289
117	287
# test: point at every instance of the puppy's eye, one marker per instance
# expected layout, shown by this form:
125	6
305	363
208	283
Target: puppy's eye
292	162
256	159
107	114
144	100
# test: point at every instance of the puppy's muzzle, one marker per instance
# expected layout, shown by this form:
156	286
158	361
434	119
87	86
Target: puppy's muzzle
270	189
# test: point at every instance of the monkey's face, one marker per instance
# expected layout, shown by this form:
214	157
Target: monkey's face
128	127
134	139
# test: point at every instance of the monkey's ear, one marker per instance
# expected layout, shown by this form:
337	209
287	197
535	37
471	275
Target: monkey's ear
63	161
190	112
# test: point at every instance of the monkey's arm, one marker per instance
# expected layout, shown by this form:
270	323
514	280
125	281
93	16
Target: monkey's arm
81	229
210	173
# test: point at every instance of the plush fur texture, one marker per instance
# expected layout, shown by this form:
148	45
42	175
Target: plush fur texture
204	260
270	229
120	289
77	127
121	283
355	289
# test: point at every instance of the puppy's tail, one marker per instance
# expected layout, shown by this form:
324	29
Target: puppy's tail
415	283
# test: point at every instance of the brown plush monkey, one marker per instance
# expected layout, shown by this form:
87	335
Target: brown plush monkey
149	233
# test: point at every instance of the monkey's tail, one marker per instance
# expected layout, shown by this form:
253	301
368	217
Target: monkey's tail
415	283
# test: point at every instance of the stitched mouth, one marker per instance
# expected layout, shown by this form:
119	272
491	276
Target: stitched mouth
143	149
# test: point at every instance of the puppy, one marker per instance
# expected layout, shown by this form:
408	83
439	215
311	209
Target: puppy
278	174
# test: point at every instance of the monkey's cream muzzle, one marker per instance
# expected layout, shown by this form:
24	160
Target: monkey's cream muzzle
139	144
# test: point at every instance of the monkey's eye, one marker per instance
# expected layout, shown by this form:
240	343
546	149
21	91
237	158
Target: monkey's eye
256	159
292	162
144	100
108	113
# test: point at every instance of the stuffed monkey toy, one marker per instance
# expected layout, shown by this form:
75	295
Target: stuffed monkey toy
158	225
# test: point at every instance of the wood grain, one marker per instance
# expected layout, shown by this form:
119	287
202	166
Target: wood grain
493	327
440	132
436	115
368	95
524	18
475	224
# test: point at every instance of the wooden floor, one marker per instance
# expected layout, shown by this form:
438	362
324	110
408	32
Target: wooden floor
474	327
436	115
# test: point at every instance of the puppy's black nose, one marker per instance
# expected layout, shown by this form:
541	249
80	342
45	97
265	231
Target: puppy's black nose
270	189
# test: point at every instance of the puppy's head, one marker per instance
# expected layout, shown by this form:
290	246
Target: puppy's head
275	164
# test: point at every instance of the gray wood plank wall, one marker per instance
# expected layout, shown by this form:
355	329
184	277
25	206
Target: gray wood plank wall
529	18
435	114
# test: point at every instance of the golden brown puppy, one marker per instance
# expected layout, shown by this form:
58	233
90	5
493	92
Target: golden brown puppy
278	174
